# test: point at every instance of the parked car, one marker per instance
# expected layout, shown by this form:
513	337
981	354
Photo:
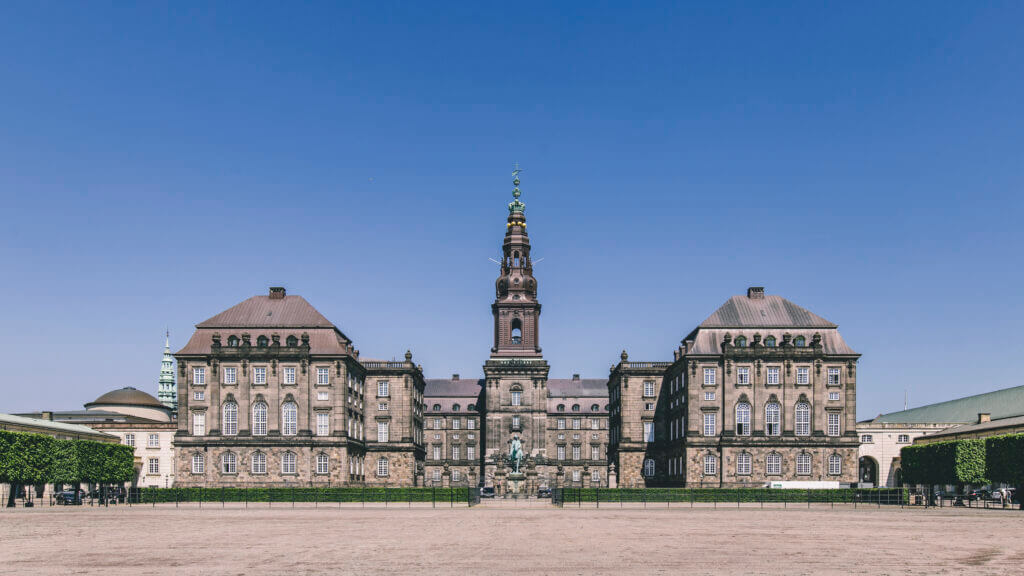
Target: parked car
487	491
544	493
978	495
70	497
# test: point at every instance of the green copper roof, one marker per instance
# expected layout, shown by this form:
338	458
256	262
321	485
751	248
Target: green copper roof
1000	404
516	207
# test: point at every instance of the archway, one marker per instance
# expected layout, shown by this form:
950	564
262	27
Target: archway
868	470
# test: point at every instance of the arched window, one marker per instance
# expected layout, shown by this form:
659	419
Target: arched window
382	467
595	408
323	463
561	407
769	342
230	427
710	465
799	342
649	467
772	419
773	464
288	463
743	419
456	407
741	341
262	342
835	465
515	259
198	463
289	419
575	407
517	331
233	341
259	463
437	407
259	419
292	341
803	419
229	463
803	464
471	408
743	464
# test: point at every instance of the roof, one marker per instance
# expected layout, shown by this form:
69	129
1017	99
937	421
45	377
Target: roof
1004	403
96	417
49	425
709	340
1011	422
266	312
766	311
127	396
436	387
583	387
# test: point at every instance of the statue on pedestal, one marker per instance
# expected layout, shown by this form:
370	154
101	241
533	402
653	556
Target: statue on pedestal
515	453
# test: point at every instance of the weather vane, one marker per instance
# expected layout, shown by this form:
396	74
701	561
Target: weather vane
515	181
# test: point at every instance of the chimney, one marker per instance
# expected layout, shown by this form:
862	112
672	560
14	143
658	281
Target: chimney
455	377
276	292
47	416
984	417
755	292
575	376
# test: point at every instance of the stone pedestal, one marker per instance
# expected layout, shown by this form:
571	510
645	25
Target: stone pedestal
531	481
613	481
446	478
586	476
499	482
516	483
559	478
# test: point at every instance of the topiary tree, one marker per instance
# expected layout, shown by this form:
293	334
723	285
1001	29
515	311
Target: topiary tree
25	460
956	462
1004	457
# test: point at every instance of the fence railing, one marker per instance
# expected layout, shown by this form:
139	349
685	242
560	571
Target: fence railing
715	497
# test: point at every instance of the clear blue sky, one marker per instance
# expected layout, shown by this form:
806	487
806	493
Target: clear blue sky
159	164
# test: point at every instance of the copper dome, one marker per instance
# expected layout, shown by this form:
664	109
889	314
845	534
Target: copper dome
126	396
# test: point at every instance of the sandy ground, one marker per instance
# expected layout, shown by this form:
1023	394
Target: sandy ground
494	539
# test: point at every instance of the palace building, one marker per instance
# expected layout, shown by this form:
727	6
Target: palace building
271	392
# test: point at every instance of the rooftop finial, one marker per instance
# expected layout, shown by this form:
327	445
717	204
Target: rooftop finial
516	206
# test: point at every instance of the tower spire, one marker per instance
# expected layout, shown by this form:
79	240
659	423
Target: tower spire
516	309
167	389
516	207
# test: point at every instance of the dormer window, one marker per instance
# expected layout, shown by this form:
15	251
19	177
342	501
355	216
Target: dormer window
575	407
292	341
741	342
769	342
561	407
456	407
233	341
262	342
799	342
437	407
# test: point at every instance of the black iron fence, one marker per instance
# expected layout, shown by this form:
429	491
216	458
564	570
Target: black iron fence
716	497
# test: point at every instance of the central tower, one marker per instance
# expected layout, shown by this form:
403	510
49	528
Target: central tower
516	374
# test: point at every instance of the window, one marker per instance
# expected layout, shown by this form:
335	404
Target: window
575	475
382	431
288	463
470	424
437	452
833	376
561	452
259	419
198	464
199	376
833	423
595	452
290	417
323	376
561	408
470	452
436	408
772	375
228	463
769	342
803	464
709	376
595	424
517	398
233	341
154	465
517	331
289	375
743	464
153	441
199	395
743	419
576	452
903	438
833	396
708	396
129	440
575	423
323	424
803	419
456	476
649	467
803	375
198	423
259	375
515	423
382	388
560	423
649	406
291	341
741	342
259	463
321	396
649	389
773	464
595	476
710	465
799	342
436	475
437	423
382	406
710	426
230	377
866	439
456	423
323	463
835	465
262	342
648	431
230	427
743	376
772	419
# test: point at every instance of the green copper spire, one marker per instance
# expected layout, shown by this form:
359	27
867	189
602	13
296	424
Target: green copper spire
516	207
167	391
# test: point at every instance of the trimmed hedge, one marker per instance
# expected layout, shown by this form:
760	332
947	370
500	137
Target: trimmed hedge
27	458
954	462
302	494
1004	457
734	495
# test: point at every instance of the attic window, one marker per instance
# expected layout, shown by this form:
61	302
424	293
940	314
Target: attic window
741	341
262	341
575	407
561	407
233	341
799	342
594	408
292	341
437	407
769	342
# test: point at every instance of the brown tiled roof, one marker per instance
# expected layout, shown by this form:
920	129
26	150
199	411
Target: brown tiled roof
709	341
584	387
768	311
463	388
586	405
321	340
266	312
